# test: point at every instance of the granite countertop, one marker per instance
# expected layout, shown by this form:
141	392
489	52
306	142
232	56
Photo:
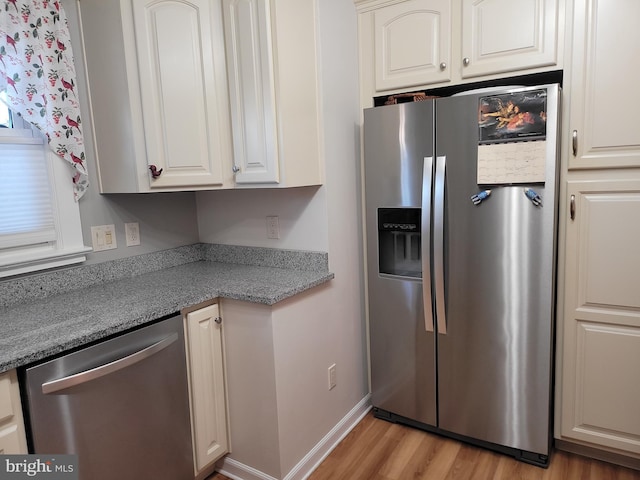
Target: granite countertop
34	328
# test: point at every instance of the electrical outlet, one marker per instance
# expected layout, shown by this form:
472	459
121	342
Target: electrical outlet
103	237
273	227
332	376
132	232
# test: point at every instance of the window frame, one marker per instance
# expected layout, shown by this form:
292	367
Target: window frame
68	247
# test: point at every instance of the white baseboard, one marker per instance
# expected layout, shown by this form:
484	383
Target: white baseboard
238	471
324	447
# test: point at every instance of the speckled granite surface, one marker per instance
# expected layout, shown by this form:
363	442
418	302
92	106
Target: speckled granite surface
52	317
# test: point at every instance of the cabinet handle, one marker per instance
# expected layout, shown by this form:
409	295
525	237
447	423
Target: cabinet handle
218	320
574	142
443	66
155	173
466	61
235	169
572	207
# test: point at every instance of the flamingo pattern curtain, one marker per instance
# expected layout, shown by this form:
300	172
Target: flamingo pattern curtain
38	75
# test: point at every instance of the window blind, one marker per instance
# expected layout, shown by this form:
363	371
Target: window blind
26	211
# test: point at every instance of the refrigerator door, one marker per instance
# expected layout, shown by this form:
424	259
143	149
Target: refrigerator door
398	150
495	359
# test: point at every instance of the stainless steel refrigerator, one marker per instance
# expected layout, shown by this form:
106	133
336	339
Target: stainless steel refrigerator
461	218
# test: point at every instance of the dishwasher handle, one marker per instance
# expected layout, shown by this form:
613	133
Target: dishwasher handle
97	372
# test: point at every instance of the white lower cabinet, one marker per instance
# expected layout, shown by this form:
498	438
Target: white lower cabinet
598	388
601	325
12	435
205	360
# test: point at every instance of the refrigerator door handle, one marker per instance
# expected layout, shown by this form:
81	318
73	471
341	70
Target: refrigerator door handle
425	247
438	243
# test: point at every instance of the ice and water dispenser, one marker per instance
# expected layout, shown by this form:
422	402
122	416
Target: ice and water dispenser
399	242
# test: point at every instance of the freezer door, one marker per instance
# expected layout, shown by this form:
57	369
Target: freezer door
398	150
495	347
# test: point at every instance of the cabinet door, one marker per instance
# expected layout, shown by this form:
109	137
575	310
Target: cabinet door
251	84
12	435
11	442
506	35
601	336
412	43
207	385
180	49
604	84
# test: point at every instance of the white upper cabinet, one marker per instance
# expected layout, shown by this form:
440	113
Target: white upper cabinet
252	87
157	79
184	97
272	62
410	44
603	82
506	35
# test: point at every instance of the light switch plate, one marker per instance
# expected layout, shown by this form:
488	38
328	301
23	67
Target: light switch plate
103	237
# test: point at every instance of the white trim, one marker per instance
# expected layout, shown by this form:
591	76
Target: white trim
305	467
68	247
239	471
50	260
314	458
14	136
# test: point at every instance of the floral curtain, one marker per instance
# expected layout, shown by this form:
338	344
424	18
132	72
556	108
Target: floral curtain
38	75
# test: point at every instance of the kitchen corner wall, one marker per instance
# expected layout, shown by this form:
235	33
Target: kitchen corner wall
166	220
323	218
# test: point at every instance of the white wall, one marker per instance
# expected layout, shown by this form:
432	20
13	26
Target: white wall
251	385
237	217
344	316
325	325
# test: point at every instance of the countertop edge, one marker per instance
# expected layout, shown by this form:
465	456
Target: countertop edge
116	306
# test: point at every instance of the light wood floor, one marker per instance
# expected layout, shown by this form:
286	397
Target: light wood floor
379	450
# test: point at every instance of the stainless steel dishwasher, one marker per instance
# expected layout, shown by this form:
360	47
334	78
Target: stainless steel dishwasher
121	405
